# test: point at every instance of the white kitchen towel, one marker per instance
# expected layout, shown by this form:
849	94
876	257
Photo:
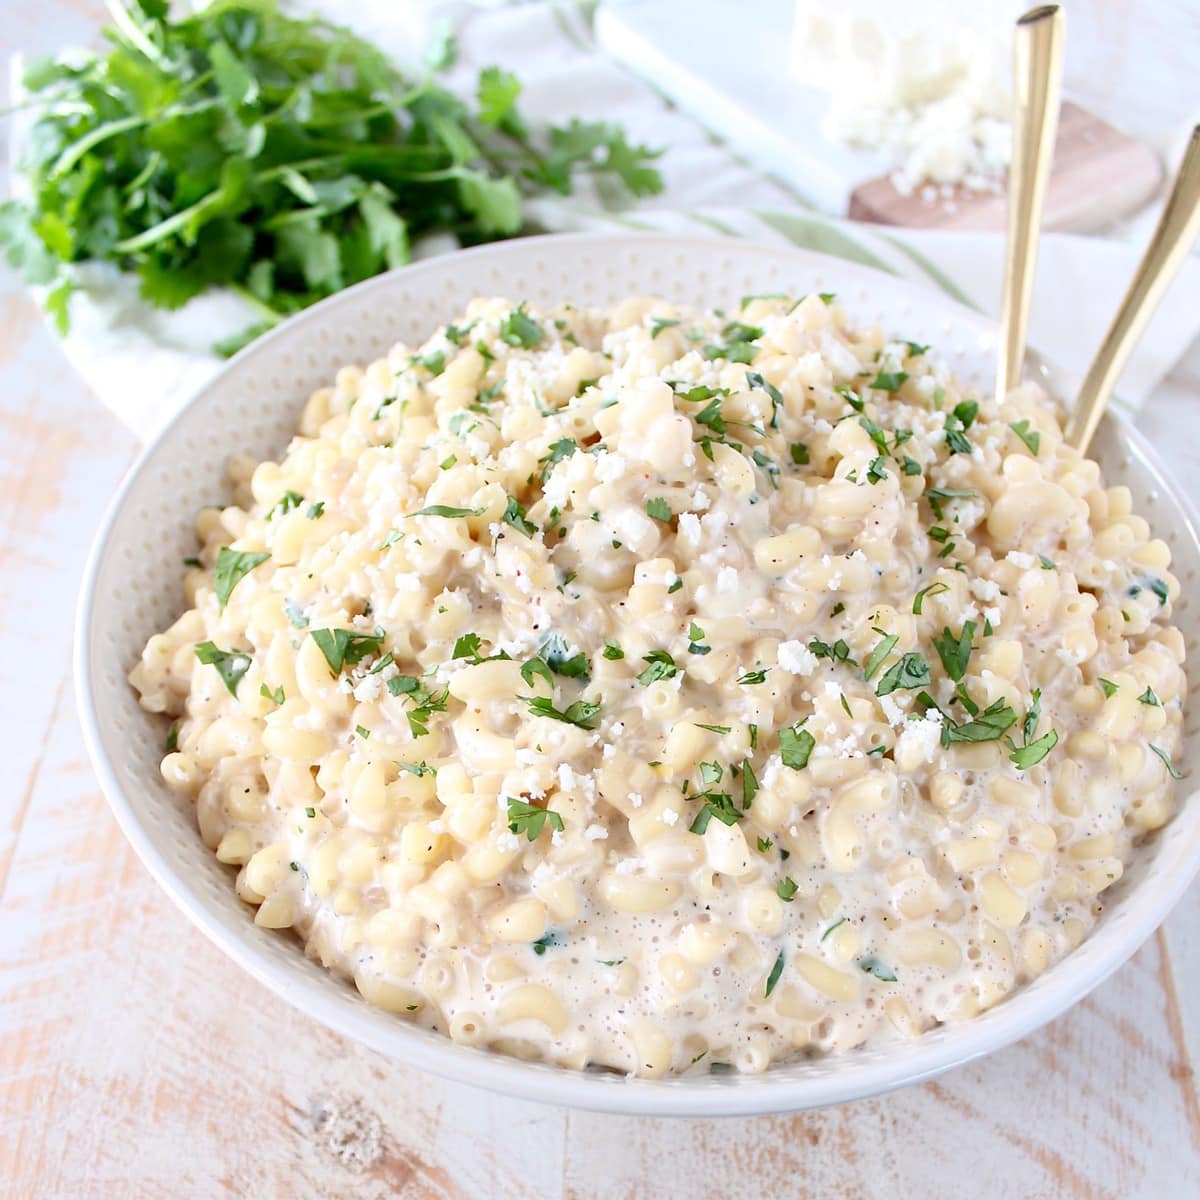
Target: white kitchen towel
144	363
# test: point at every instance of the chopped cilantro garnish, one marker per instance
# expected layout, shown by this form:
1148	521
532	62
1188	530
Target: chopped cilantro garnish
659	509
520	329
275	695
873	966
547	939
934	589
467	646
910	671
1027	434
658	324
935	496
529	819
341	647
1032	753
838	652
773	978
786	889
558	657
753	677
231	664
955	653
749	784
514	515
1148	697
756	380
1166	761
716	804
661	666
795	746
889	381
988	726
581	713
612	651
534	668
1108	687
799	453
885	646
434	362
232	567
284	504
446	510
316	510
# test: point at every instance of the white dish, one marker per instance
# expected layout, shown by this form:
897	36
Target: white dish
132	587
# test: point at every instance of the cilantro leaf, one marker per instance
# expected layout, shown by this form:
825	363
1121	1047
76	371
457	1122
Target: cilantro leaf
520	329
514	515
344	648
231	664
661	666
530	820
1027	434
909	672
795	747
232	567
581	713
446	510
659	509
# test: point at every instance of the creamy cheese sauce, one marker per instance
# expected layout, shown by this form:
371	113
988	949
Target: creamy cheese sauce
652	689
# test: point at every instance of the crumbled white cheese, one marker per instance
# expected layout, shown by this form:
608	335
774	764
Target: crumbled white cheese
689	527
595	833
985	589
727	580
925	736
609	467
796	658
1019	558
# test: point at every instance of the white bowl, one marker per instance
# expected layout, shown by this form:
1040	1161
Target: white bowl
132	587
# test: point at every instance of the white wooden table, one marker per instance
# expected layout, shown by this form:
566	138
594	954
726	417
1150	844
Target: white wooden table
136	1062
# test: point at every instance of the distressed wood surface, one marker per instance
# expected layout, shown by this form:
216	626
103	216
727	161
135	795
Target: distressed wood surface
136	1062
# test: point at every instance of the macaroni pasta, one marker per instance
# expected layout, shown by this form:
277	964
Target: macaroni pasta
652	689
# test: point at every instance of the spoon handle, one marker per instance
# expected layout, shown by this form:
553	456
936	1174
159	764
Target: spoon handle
1037	87
1169	247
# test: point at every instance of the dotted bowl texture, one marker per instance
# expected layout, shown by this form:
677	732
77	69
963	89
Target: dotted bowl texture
133	588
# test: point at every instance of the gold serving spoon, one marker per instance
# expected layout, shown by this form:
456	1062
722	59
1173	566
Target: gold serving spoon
1169	246
1037	88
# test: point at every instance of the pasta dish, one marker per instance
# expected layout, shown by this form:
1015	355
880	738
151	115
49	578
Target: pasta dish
658	690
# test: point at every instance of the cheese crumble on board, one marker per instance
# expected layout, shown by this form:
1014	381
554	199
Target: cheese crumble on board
655	689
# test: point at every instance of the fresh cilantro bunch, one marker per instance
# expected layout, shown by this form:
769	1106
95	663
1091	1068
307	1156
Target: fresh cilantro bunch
285	158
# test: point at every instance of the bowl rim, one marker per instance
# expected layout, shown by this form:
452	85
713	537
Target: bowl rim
606	1092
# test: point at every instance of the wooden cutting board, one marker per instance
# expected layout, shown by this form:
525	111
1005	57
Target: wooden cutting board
1099	174
732	76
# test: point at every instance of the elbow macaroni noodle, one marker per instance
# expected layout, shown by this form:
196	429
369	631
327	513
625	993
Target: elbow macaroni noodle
651	689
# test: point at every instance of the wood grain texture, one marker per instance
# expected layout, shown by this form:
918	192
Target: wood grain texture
136	1062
